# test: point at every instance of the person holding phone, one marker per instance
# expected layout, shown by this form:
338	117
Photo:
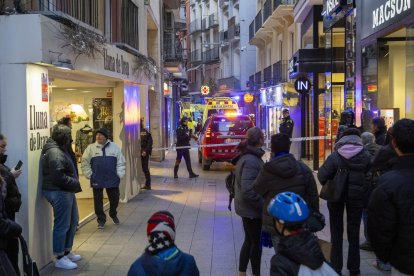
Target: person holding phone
12	200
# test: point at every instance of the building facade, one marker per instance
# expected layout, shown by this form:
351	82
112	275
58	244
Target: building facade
91	62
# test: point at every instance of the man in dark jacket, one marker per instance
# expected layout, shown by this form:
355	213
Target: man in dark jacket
287	124
391	208
298	250
380	130
281	174
349	154
162	256
12	201
146	150
9	230
60	182
183	144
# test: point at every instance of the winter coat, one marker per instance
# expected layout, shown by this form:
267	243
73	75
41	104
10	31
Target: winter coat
391	216
13	199
146	141
380	137
247	202
282	174
349	153
286	126
8	228
294	251
372	149
183	136
180	265
58	171
384	160
104	165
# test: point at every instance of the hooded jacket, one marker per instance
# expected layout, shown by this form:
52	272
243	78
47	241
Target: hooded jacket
294	251
13	199
282	174
181	264
8	228
104	165
349	153
58	170
391	216
247	202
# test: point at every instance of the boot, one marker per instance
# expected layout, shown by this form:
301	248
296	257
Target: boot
193	175
176	171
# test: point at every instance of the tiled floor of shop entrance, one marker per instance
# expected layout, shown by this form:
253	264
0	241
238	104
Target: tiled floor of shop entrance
205	227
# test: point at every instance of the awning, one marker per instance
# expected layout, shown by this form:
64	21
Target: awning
195	68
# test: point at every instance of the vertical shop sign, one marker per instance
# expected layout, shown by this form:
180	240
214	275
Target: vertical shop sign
45	88
103	114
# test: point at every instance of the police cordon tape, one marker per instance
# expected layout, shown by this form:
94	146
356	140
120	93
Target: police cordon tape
298	139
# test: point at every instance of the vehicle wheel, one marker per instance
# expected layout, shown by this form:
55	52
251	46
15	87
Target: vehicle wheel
206	167
200	157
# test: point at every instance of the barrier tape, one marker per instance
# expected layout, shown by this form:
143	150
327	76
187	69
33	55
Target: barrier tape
298	139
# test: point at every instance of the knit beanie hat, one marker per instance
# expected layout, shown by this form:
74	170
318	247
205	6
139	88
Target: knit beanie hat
103	131
160	232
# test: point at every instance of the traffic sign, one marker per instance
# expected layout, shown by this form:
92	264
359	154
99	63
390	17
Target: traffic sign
205	90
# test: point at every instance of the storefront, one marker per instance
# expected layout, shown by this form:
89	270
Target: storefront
41	84
386	61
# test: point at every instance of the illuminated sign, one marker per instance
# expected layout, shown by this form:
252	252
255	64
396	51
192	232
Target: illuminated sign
248	98
205	90
302	85
166	89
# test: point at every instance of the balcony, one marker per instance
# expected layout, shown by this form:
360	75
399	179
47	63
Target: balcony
234	32
172	55
258	21
195	56
223	4
212	20
280	72
224	36
258	80
195	26
204	24
267	76
227	84
211	55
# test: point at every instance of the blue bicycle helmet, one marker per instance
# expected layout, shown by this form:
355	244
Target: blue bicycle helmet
288	208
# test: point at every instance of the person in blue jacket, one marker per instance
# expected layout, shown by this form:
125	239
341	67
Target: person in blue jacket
104	164
162	257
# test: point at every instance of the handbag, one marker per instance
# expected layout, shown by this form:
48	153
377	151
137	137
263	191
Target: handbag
29	266
334	189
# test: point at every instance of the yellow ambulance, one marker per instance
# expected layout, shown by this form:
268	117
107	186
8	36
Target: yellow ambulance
220	106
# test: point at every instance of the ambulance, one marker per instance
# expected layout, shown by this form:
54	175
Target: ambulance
220	106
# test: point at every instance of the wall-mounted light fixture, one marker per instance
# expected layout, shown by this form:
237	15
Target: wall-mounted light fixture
61	63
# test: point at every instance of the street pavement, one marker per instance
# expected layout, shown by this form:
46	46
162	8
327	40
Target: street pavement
205	227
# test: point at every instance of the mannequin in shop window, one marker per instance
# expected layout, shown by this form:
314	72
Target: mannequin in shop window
84	137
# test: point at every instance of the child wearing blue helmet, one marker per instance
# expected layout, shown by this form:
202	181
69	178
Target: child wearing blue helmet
299	252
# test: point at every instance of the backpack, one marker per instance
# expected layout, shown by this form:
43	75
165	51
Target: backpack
230	182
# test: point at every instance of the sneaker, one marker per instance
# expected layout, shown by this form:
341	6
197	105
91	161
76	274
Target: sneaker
146	187
101	225
382	266
365	246
74	257
175	176
65	263
115	220
193	175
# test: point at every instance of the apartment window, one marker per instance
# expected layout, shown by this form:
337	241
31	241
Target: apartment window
129	23
169	20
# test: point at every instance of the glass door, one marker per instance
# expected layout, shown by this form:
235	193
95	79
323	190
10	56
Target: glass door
409	83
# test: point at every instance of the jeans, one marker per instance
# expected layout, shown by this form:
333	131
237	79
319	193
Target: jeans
336	216
251	249
113	195
66	218
145	169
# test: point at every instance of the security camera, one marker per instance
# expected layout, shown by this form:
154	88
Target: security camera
243	48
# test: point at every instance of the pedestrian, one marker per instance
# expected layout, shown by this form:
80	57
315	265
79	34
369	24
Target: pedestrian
372	148
104	164
379	129
60	182
281	174
349	156
391	207
9	230
287	124
183	144
247	202
162	256
298	250
12	201
146	150
346	121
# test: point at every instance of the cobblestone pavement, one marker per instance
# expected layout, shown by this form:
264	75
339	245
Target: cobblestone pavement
205	227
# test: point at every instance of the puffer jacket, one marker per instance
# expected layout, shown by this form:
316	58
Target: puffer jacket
8	228
349	153
391	216
294	251
104	165
285	174
247	202
58	170
13	199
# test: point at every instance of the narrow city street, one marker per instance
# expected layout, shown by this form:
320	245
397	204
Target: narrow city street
205	227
